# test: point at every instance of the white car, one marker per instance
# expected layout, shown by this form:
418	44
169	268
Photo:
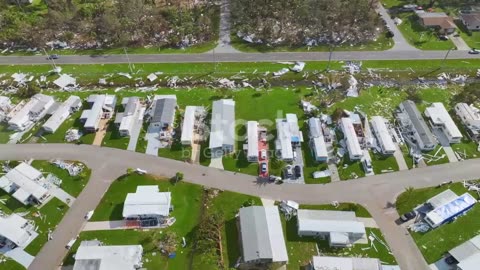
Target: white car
89	215
263	154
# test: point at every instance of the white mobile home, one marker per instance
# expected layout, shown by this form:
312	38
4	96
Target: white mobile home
317	141
222	132
17	230
35	109
192	119
345	263
467	254
25	184
439	118
288	136
262	235
341	228
102	107
149	204
133	112
252	141
414	128
353	146
382	135
71	105
163	111
93	255
470	117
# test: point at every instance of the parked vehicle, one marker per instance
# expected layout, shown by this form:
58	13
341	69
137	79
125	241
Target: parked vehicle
367	166
52	57
298	171
473	51
408	216
274	178
264	167
450	260
263	154
289	171
89	215
71	243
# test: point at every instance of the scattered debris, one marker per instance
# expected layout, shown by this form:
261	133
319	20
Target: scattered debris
281	72
299	66
73	135
73	169
352	90
65	81
152	77
419	227
226	83
353	67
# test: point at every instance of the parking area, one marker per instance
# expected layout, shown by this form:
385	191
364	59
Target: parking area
294	173
263	155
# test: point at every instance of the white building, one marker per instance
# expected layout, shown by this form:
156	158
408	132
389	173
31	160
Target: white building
446	206
25	183
132	114
470	117
192	122
351	140
317	140
382	135
102	107
91	255
288	136
16	230
345	263
163	111
416	132
440	119
341	228
252	141
262	235
222	132
147	203
35	109
467	254
71	105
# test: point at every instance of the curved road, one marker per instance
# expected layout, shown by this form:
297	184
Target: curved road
238	57
376	193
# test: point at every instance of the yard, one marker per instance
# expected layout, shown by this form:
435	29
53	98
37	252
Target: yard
472	39
113	139
419	36
435	157
435	243
383	164
4	133
350	169
359	210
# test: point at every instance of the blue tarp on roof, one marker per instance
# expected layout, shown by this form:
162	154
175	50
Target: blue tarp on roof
450	210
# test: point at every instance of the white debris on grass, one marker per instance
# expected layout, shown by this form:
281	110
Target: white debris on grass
126	75
152	77
226	83
299	66
353	67
308	107
419	227
73	135
73	169
281	72
65	81
51	178
172	82
352	90
102	81
321	174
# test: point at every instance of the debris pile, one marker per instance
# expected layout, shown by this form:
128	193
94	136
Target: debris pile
421	227
51	178
352	90
73	135
226	83
353	67
73	169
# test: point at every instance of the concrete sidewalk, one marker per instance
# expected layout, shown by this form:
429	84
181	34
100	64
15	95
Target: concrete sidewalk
105	225
369	222
20	256
402	164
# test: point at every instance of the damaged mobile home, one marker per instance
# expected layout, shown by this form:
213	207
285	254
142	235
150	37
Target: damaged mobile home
101	107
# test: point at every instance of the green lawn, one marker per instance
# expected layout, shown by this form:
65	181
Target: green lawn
431	95
406	156
382	43
5	133
73	185
46	219
359	210
311	165
113	139
435	243
10	264
419	36
349	169
382	164
437	160
472	39
393	3
176	151
238	162
467	149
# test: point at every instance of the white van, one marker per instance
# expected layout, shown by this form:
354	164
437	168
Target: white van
263	154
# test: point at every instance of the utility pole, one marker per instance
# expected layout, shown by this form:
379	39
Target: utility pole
128	59
51	59
214	62
445	58
330	58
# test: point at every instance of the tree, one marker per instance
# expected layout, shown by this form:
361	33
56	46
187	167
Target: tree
28	90
166	241
178	176
470	94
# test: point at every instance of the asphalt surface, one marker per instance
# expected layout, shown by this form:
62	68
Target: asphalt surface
377	193
237	57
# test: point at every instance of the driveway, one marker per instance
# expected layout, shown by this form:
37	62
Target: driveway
377	193
402	164
152	141
443	140
137	127
105	225
401	44
459	43
298	161
20	256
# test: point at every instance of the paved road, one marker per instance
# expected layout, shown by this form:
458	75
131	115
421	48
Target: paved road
401	44
236	57
377	193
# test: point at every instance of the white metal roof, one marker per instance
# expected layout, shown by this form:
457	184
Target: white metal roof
262	234
471	263
23	176
61	114
222	130
108	257
351	139
382	134
470	116
12	228
439	116
315	127
292	121
65	80
284	139
467	249
320	147
442	198
252	138
95	112
451	209
329	221
147	201
188	124
132	109
21	117
345	263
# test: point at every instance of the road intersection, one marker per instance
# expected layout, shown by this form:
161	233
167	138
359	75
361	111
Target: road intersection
376	193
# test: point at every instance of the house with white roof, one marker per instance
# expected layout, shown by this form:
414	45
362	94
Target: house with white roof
71	105
132	114
414	128
252	141
163	111
289	136
446	206
345	263
262	235
25	183
91	255
382	135
192	124
355	152
441	120
148	204
222	131
340	228
467	255
34	110
317	140
16	230
101	107
470	117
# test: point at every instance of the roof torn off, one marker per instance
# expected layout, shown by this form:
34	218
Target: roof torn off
65	81
352	90
299	66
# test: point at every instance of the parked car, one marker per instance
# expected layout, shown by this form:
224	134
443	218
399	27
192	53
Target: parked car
274	178
408	216
52	57
442	37
367	165
263	154
298	171
289	171
473	51
264	167
89	215
450	260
